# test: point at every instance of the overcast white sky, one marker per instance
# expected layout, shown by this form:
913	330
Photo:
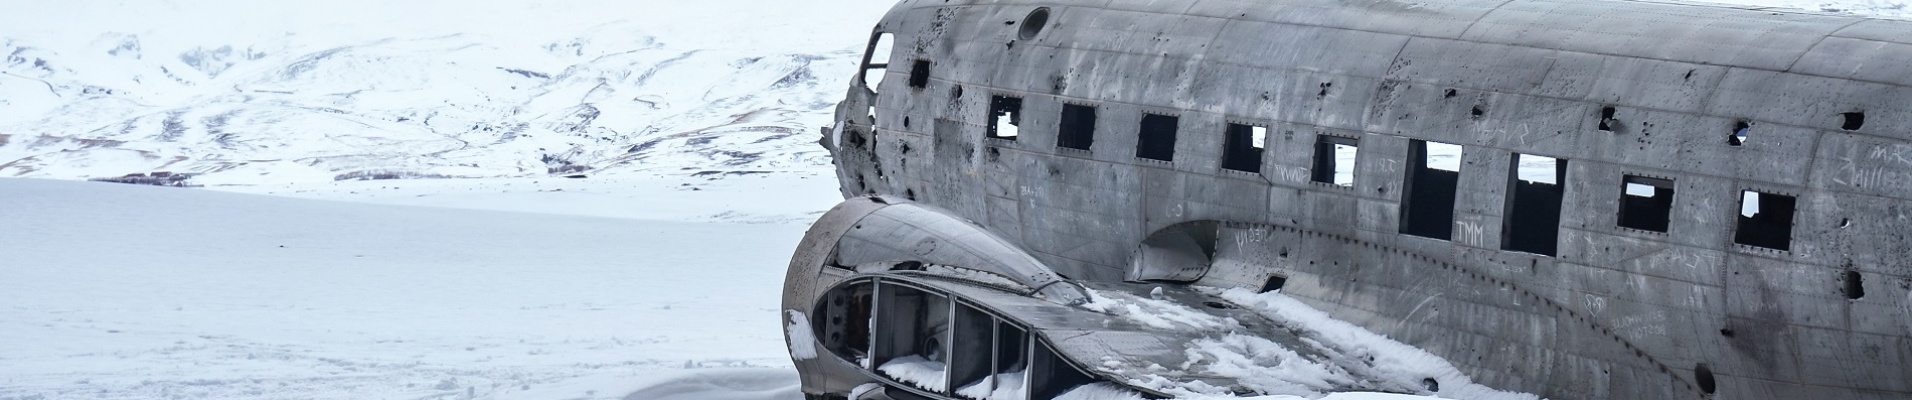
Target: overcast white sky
792	26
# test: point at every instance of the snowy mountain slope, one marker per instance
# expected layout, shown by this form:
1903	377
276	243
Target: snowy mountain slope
479	101
309	91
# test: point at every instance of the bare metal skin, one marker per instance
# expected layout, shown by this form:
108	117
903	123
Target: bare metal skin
1578	290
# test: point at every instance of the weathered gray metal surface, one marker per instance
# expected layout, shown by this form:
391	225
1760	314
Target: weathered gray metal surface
914	233
1615	313
1115	347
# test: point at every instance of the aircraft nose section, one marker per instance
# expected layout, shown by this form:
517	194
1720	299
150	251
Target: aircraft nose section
904	234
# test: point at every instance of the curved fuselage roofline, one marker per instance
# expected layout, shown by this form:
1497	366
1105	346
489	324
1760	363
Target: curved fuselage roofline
884	231
1739	36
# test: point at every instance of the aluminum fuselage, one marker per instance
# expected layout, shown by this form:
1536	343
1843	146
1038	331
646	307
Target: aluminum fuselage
1809	298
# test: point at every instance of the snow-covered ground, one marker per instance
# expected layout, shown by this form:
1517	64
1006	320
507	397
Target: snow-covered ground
133	292
695	122
795	196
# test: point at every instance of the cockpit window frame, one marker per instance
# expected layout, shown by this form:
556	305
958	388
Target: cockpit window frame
1031	343
869	59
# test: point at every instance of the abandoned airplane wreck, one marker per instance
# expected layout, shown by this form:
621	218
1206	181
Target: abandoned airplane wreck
1570	199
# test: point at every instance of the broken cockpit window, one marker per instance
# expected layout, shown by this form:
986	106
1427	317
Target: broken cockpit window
876	59
973	344
843	320
1050	375
1005	117
913	345
941	344
989	357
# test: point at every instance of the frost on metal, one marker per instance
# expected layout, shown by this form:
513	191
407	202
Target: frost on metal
977	276
1156	313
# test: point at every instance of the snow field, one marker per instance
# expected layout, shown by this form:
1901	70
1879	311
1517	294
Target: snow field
129	292
793	196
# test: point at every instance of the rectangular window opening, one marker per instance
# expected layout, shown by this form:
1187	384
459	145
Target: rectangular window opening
1242	147
1646	203
1156	140
1077	128
1534	193
1765	220
1005	117
919	74
1433	180
1008	366
1334	159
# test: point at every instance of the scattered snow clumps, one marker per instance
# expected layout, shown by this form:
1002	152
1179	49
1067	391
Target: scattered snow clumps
802	345
919	371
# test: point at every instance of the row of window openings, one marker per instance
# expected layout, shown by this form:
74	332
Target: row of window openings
920	71
1242	143
1534	198
939	344
1535	193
